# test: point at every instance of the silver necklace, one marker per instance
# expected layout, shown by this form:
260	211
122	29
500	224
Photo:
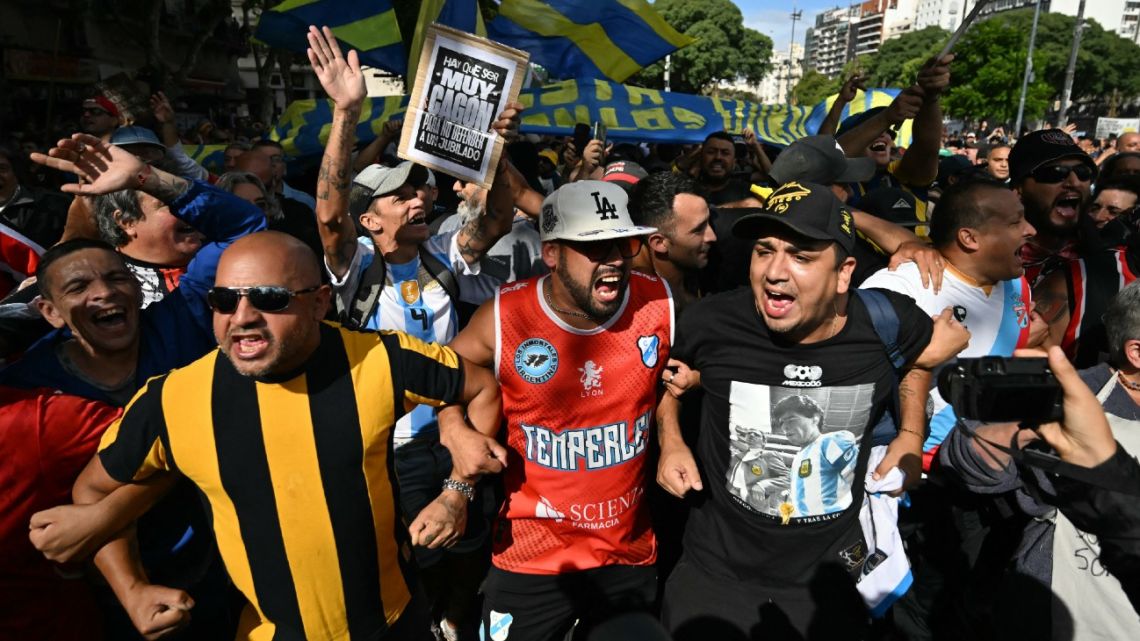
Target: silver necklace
546	294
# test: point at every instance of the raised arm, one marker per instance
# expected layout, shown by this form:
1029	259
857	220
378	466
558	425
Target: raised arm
906	105
847	92
344	83
482	232
919	165
371	153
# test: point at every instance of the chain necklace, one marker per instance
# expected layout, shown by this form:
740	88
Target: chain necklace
546	294
1132	385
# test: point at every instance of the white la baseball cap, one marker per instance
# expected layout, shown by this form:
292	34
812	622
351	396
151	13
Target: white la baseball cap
588	210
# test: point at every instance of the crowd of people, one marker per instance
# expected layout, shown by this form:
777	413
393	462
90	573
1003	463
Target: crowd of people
631	391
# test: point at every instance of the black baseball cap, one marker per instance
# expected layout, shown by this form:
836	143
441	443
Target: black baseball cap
808	209
625	174
819	159
1041	147
850	122
892	204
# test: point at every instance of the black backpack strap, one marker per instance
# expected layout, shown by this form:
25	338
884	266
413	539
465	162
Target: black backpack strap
367	295
432	268
886	322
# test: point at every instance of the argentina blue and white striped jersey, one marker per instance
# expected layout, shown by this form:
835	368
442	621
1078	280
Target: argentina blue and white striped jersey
429	315
822	472
997	317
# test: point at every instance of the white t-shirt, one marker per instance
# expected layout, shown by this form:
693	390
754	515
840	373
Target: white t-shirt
997	317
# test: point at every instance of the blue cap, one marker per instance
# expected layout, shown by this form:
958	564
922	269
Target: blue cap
135	136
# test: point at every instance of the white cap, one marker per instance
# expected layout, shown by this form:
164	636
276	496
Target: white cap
588	210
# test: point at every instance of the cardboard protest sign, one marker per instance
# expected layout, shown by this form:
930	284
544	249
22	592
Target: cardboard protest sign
1106	126
463	83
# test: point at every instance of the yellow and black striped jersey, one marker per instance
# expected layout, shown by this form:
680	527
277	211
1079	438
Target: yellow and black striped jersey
296	474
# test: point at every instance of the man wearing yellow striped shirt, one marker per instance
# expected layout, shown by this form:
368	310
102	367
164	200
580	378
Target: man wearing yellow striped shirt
286	430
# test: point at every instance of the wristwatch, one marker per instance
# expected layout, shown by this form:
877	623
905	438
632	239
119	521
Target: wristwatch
466	489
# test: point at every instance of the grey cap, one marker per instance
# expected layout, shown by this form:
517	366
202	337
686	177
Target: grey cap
820	160
588	210
385	180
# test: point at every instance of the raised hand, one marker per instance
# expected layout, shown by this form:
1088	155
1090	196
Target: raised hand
507	124
103	167
161	108
339	75
934	77
857	82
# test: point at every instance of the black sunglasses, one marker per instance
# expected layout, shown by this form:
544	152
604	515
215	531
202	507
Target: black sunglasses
597	251
1052	174
265	298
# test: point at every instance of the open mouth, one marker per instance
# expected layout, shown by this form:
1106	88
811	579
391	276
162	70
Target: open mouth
111	318
1067	206
608	287
249	346
418	219
879	147
777	304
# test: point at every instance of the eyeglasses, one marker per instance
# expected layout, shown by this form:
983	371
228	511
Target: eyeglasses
1052	174
597	251
265	298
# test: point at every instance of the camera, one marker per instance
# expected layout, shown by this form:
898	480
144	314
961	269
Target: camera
994	389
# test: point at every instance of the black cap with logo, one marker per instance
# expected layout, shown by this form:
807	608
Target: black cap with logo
1037	148
808	209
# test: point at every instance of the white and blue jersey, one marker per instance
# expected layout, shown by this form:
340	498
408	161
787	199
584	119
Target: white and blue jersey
429	315
997	317
822	473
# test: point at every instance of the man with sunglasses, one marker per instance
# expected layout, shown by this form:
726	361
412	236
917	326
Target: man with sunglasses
1052	175
100	117
286	430
105	347
399	276
578	354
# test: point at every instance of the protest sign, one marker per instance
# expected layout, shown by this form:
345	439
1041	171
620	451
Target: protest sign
462	85
1106	126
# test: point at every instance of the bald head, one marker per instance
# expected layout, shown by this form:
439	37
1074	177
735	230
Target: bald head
269	258
1129	141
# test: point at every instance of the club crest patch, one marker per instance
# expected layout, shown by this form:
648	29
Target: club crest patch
536	360
500	625
648	345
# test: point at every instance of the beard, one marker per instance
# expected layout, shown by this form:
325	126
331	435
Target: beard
468	212
582	294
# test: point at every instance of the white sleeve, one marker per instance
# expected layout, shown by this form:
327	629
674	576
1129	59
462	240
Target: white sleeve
446	244
345	287
904	280
185	166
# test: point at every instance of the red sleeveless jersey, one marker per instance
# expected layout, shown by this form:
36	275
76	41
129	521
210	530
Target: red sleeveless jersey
579	404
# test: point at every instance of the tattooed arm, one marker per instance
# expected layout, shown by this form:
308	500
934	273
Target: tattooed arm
344	83
483	231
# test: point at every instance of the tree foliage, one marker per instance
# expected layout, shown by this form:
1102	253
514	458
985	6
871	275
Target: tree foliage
899	59
813	87
725	48
987	74
991	60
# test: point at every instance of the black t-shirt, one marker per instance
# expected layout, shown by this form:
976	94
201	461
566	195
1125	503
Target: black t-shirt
785	430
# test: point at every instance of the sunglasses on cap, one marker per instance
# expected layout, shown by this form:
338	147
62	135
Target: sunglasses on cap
265	298
1052	174
597	251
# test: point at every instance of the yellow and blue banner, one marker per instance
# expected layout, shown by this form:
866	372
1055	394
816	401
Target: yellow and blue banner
631	114
212	157
369	26
457	14
609	39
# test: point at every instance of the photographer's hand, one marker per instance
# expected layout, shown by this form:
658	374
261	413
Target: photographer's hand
1083	436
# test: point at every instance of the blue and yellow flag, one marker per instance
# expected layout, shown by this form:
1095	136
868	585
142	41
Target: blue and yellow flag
631	114
608	39
369	26
458	14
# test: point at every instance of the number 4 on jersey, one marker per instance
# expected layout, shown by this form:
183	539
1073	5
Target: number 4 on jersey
606	209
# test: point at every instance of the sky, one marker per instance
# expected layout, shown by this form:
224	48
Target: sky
773	17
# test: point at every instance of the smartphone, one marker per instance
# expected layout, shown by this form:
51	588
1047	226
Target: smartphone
581	137
598	132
